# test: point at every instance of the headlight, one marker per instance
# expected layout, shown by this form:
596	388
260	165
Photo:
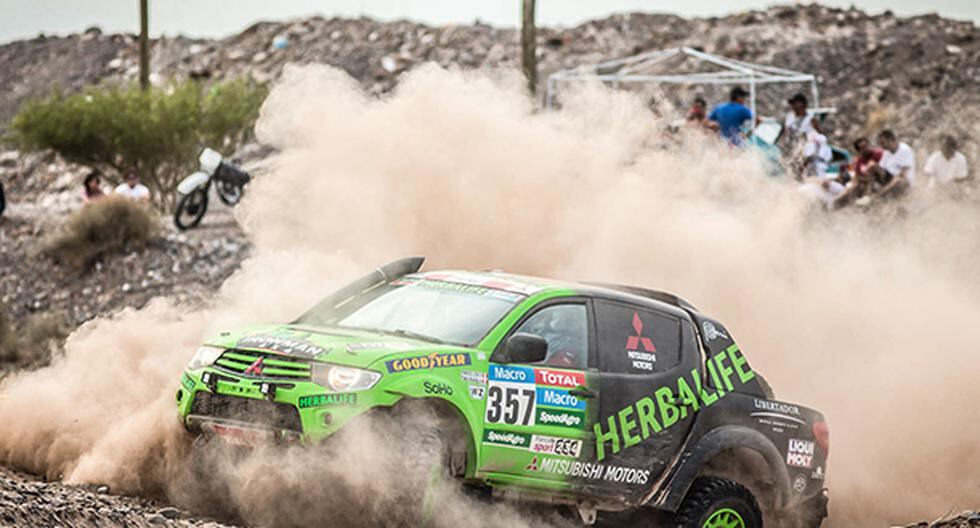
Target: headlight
344	379
205	356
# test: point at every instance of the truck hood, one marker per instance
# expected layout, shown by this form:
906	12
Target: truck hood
336	345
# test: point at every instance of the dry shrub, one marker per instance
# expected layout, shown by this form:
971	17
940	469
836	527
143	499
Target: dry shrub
33	344
109	225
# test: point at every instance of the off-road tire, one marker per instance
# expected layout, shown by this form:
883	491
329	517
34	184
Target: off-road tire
718	503
194	205
229	193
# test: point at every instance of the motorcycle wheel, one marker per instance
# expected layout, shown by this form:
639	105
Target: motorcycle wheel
191	208
229	193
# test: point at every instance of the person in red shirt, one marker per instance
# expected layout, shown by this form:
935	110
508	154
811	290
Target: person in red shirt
868	177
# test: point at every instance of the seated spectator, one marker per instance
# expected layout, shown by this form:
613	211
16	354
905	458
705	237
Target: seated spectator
132	188
946	165
868	177
731	116
899	161
816	154
92	187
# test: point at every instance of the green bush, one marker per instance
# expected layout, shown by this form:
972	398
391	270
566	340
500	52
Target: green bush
108	225
159	131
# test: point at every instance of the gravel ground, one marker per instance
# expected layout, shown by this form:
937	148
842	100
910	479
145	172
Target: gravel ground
27	501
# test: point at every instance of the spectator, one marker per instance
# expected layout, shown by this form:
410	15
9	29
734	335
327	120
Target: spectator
868	176
816	154
898	160
946	164
132	188
699	110
732	115
799	121
92	187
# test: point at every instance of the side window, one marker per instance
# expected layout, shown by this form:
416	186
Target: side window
566	329
636	340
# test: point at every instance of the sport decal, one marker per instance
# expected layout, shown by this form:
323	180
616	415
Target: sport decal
538	444
431	361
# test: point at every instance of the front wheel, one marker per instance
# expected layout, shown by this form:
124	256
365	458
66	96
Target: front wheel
718	503
230	193
191	208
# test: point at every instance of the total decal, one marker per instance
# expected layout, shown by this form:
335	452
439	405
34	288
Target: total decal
669	405
640	359
799	453
431	361
588	470
293	345
528	396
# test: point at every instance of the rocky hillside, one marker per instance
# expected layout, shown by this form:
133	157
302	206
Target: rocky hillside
918	75
877	70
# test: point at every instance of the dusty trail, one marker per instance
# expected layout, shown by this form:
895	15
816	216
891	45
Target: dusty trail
864	318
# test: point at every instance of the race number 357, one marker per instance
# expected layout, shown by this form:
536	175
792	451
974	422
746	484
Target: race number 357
510	405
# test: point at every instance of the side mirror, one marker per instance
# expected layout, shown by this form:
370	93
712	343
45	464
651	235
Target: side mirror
525	348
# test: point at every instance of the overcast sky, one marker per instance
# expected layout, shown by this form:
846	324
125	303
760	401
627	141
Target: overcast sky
216	18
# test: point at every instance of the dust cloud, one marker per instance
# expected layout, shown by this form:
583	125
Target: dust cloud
866	317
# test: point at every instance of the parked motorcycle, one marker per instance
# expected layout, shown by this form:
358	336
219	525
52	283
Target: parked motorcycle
192	191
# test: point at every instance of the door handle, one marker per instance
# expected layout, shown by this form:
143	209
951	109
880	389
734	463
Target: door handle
582	392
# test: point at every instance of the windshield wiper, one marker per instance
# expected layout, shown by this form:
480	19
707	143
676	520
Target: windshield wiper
414	335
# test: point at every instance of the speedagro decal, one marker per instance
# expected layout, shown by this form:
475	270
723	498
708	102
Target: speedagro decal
550	445
327	400
799	453
284	345
506	438
588	470
573	419
634	424
431	361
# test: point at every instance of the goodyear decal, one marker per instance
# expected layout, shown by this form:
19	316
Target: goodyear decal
572	419
559	398
431	361
559	378
507	438
324	400
509	374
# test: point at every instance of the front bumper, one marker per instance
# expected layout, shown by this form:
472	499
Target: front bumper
290	410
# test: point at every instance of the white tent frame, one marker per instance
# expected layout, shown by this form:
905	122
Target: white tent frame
631	70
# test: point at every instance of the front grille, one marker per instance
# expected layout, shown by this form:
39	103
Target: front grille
273	366
273	415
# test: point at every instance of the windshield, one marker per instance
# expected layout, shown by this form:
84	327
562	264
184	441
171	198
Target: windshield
448	312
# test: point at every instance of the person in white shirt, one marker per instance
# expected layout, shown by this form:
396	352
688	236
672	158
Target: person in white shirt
946	165
132	188
799	121
898	160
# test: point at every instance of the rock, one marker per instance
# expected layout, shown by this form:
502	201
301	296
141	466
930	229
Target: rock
103	489
169	512
156	519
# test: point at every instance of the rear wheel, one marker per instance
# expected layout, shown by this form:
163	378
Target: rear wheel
718	503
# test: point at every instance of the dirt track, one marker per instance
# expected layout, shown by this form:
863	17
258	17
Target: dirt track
27	501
